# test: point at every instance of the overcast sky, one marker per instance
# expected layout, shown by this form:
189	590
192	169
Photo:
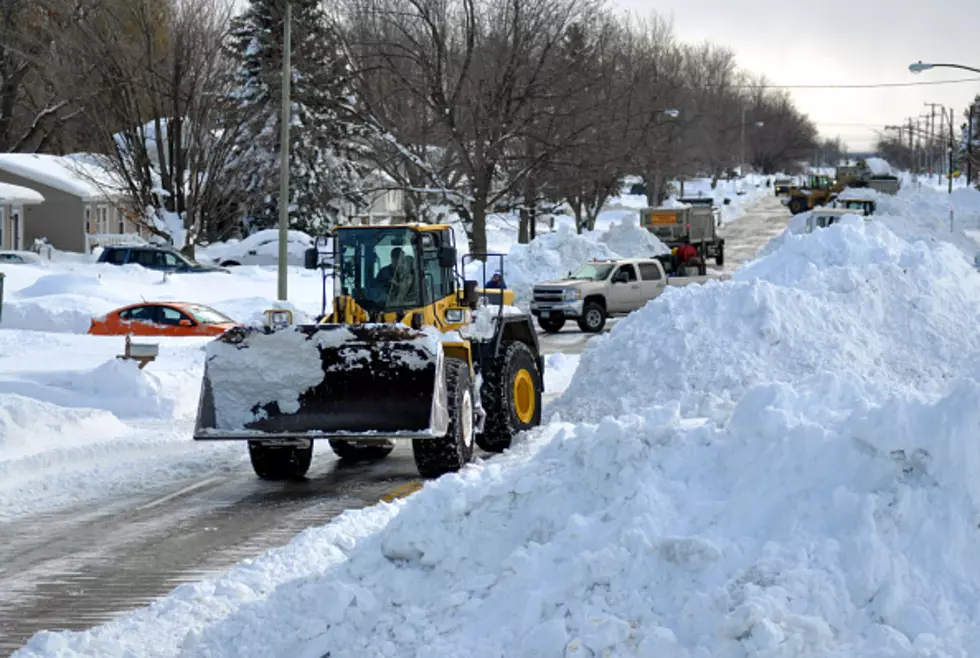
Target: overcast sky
840	42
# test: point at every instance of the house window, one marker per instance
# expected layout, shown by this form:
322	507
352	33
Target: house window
88	220
122	221
103	219
15	239
3	220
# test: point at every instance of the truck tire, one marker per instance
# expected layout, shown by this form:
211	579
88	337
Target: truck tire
796	206
351	451
551	325
593	318
435	457
720	256
511	396
271	462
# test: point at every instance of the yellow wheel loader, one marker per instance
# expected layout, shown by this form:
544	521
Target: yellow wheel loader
407	351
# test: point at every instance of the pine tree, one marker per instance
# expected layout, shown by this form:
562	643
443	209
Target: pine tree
324	138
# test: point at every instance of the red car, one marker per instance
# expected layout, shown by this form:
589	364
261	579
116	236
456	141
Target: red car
162	319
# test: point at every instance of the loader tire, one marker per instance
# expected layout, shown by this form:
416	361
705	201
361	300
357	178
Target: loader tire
351	451
720	256
435	457
551	325
511	396
280	462
796	206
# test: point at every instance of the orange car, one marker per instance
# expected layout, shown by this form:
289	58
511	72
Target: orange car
162	319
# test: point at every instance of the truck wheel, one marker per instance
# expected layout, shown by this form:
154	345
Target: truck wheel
720	256
796	206
593	318
353	451
272	462
435	457
551	325
511	396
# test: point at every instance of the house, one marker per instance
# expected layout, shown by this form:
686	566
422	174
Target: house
81	208
383	203
13	200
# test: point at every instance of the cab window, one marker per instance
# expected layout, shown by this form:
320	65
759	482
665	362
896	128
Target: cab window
438	280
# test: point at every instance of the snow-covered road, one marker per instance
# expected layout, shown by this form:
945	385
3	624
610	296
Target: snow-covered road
80	565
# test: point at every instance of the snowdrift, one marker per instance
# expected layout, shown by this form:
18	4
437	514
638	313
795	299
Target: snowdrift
852	300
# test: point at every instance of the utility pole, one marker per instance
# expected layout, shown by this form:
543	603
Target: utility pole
951	117
932	128
284	150
969	146
742	156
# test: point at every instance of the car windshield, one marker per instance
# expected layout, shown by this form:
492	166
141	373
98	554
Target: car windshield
379	268
592	272
206	315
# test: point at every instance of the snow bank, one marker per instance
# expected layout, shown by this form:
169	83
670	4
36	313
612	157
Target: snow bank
853	299
64	296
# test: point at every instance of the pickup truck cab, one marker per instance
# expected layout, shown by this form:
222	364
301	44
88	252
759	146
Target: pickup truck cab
600	289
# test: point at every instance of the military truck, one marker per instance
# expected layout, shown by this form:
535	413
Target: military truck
694	223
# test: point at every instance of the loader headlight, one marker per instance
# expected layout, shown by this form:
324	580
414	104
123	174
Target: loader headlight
571	294
455	315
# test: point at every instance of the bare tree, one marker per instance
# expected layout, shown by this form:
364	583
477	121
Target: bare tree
158	116
483	77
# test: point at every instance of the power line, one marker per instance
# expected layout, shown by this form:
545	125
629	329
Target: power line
869	86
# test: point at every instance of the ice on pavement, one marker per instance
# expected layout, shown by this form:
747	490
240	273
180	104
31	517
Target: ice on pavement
785	465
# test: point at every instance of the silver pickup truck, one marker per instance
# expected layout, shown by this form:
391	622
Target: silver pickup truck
603	288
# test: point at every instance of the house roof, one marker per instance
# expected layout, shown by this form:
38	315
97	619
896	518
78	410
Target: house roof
76	175
18	194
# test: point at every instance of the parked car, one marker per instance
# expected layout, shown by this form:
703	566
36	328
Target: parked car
153	258
162	319
262	248
19	258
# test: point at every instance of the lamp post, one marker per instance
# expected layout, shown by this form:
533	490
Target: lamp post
284	150
920	66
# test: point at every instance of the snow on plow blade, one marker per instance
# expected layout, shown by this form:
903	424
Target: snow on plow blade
323	381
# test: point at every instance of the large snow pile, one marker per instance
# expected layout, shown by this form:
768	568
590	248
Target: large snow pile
852	301
554	255
915	215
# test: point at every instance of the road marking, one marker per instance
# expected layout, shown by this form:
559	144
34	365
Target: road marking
181	492
403	491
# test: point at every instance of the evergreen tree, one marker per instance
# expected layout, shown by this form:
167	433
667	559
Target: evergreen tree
324	137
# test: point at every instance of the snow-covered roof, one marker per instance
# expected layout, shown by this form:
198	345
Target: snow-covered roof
18	194
75	174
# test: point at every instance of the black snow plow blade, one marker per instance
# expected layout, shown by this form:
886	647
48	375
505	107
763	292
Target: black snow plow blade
323	381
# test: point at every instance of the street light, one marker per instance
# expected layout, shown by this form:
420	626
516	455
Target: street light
920	66
284	151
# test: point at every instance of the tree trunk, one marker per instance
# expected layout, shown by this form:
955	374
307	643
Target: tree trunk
523	232
478	228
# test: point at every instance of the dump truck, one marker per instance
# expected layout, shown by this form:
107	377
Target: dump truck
694	223
403	353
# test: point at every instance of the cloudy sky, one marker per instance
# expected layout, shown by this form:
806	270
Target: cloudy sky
838	42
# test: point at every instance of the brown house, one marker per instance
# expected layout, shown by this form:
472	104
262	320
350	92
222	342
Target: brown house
80	209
